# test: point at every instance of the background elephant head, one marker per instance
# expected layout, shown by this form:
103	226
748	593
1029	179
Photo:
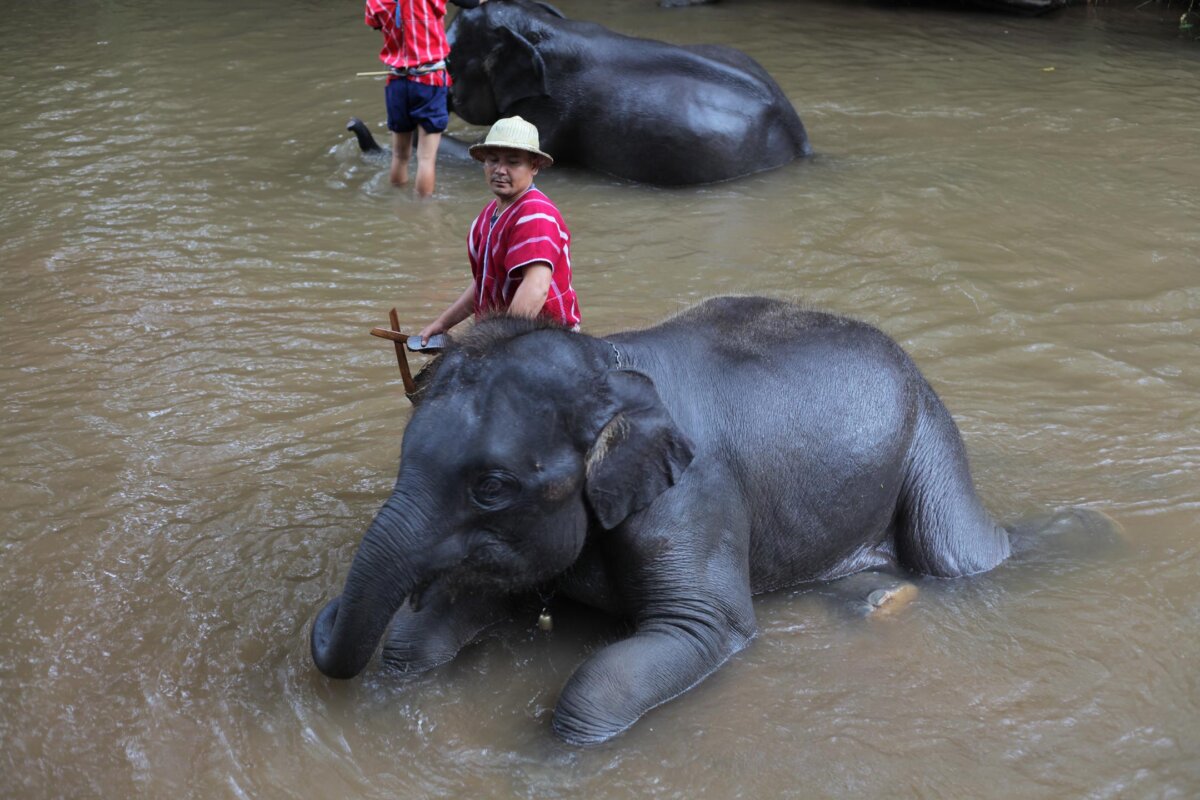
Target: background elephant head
494	61
524	437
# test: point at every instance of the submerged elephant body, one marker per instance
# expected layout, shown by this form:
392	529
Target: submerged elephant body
665	475
636	108
450	147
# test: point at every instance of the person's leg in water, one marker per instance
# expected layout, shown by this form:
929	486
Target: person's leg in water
401	151
427	150
427	108
402	127
411	104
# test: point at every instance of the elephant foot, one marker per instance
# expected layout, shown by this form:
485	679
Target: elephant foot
405	655
889	600
874	594
418	641
1068	534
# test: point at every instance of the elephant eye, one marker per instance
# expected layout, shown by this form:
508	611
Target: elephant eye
493	489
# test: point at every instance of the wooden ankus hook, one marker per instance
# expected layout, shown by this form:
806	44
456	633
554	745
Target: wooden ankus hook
398	339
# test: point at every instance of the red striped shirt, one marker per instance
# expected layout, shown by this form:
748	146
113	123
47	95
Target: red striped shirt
529	230
420	38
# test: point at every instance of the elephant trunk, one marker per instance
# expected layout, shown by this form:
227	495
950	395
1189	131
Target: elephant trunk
366	142
347	631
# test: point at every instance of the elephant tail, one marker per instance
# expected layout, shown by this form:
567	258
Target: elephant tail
942	528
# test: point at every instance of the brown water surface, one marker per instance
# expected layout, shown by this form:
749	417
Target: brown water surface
196	427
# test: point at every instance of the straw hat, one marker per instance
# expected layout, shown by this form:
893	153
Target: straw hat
511	133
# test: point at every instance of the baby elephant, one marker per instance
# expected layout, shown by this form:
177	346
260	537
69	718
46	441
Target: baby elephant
664	475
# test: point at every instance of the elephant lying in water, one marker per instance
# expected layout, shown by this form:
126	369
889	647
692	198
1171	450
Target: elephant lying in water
664	475
639	109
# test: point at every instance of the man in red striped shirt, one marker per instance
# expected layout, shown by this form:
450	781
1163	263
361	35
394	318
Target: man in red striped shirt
519	245
415	50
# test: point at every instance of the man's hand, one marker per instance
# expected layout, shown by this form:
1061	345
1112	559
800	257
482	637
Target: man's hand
432	329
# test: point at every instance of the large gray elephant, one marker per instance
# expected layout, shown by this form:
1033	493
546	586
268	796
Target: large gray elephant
635	108
664	475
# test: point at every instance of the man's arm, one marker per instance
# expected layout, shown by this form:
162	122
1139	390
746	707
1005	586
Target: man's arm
532	291
459	310
372	16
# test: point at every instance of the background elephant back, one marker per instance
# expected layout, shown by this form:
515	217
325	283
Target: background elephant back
639	109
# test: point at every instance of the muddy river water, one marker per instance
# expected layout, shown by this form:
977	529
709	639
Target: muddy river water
197	427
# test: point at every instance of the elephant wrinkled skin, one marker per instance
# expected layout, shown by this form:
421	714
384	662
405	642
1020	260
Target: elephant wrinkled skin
664	475
638	109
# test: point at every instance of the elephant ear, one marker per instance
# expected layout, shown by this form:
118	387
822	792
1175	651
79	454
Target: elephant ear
550	9
638	454
516	70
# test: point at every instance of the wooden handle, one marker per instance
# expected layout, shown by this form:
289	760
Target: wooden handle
387	333
398	340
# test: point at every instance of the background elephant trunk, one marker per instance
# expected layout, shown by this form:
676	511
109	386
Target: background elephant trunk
347	631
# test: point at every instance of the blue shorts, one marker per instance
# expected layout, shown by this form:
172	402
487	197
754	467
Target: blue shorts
410	103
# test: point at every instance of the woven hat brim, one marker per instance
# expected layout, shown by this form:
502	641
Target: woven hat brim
477	150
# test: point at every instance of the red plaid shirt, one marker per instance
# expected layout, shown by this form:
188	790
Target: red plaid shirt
529	230
419	39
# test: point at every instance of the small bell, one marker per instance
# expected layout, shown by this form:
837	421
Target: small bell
545	621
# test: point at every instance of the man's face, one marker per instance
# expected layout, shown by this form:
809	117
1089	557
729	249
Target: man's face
509	172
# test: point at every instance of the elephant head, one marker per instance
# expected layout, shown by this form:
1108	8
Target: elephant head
494	58
526	437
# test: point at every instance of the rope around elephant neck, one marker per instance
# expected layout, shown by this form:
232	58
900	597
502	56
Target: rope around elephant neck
616	356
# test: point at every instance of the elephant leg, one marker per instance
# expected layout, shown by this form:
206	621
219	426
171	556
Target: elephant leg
942	528
446	622
693	613
671	652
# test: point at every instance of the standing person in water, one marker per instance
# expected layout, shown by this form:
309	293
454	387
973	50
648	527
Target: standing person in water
519	245
415	50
